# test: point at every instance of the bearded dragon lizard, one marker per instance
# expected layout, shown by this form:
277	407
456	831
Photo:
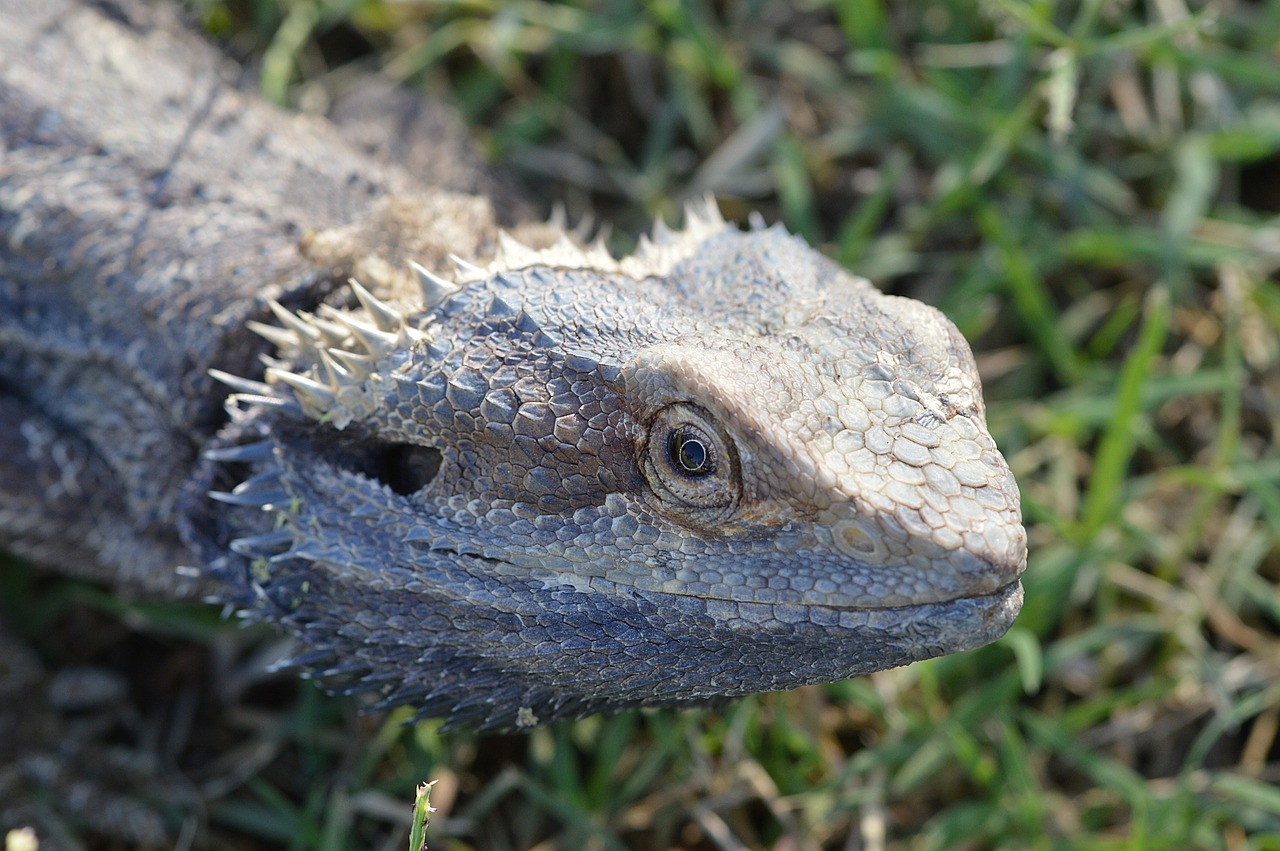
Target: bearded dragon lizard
518	484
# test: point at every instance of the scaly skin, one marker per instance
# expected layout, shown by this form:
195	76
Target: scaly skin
475	503
558	484
565	484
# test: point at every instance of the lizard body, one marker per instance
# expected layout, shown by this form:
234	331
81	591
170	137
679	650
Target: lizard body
546	485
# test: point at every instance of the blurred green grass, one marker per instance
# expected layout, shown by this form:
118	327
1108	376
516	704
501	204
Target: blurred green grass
1092	192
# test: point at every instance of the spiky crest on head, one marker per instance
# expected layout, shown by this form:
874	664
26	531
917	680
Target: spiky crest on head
335	362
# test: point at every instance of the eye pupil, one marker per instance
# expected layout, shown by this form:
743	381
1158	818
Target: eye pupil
689	453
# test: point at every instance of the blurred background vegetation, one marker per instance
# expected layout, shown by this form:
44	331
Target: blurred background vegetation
1091	190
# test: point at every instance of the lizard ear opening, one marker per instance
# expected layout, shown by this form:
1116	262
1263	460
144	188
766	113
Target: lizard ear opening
406	468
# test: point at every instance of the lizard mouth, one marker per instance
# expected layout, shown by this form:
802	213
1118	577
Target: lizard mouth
1007	591
964	623
1008	597
990	615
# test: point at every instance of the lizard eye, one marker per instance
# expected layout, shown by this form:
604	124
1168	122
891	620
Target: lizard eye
689	452
689	461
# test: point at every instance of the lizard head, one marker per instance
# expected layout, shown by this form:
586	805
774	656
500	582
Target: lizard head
566	482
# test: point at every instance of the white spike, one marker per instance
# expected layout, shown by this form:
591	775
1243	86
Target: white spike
281	338
512	250
241	385
559	217
435	289
467	271
332	333
584	227
295	323
567	252
756	220
307	390
705	212
335	373
358	366
384	316
256	452
598	245
376	342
